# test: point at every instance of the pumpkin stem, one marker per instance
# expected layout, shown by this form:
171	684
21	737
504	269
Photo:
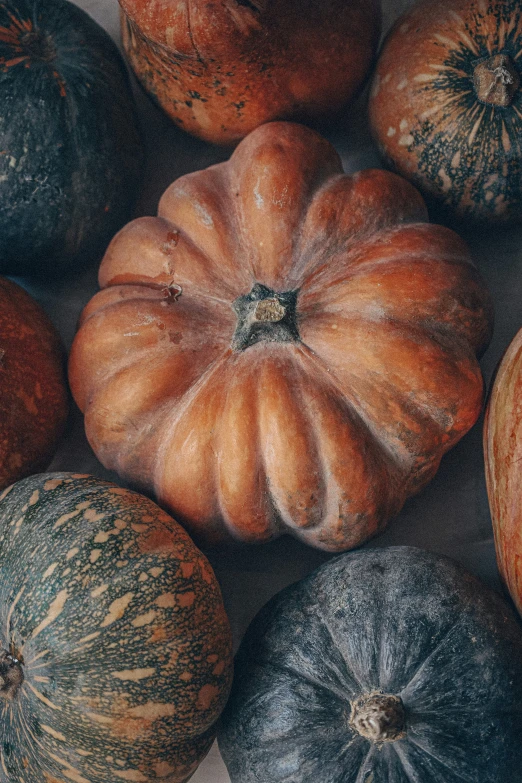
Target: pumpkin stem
38	46
265	315
379	717
496	80
11	675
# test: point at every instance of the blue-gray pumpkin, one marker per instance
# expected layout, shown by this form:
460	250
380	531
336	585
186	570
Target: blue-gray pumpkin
70	147
384	666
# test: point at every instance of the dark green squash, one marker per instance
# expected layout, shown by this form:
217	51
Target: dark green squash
70	148
115	650
384	666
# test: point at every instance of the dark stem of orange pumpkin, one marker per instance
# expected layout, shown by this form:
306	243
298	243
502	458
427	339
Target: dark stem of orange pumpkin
379	717
264	315
11	675
496	80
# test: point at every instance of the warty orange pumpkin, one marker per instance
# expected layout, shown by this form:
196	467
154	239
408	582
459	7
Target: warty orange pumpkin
220	68
33	392
284	349
115	650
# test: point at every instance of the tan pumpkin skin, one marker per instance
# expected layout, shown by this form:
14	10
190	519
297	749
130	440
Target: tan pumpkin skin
503	458
220	69
33	394
433	121
322	436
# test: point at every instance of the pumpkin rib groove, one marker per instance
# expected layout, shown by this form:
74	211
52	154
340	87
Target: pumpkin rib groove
285	668
174	416
271	517
424	410
349	664
361	775
282	498
406	766
440	644
443	764
393	457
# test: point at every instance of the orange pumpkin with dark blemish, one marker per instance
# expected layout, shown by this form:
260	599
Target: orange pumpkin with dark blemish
220	68
118	679
446	105
328	356
503	458
33	393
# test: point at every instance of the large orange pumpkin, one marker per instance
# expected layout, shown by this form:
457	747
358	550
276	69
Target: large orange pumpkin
285	348
503	457
220	68
33	394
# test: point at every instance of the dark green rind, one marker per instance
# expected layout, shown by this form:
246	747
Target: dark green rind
400	620
71	154
100	724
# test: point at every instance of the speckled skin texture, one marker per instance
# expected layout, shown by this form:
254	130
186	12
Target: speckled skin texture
503	458
324	432
462	152
220	69
70	150
33	393
400	620
118	622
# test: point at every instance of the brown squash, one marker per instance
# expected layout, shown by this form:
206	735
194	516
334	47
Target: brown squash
503	457
33	394
221	68
284	349
446	105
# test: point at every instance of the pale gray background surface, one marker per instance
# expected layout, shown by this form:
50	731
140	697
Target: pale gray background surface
451	516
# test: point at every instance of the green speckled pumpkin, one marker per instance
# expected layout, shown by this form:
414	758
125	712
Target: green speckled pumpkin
70	148
446	105
115	650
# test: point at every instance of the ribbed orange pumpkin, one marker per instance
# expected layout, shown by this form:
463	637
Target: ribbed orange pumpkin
33	394
503	456
285	348
220	68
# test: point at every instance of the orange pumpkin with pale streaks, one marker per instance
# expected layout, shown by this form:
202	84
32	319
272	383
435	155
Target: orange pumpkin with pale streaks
446	105
503	457
33	394
285	348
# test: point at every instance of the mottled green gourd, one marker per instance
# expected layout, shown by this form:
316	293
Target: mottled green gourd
115	650
70	148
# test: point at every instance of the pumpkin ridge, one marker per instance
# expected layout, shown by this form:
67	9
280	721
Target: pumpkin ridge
430	753
329	375
173	416
469	373
282	497
440	644
271	516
